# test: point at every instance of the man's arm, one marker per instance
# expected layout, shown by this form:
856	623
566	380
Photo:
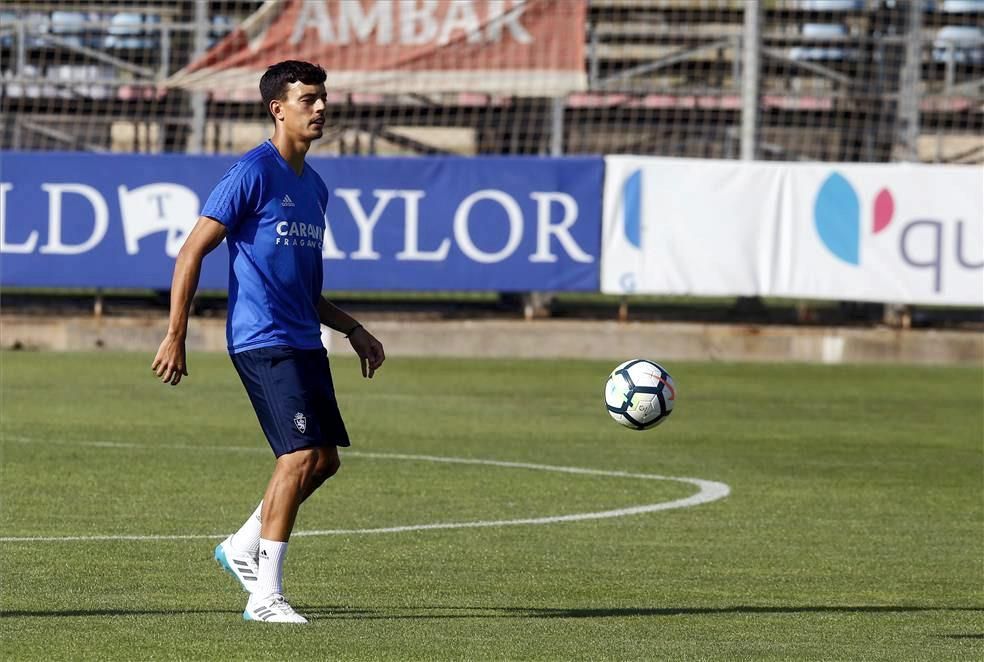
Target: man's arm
170	363
369	349
334	317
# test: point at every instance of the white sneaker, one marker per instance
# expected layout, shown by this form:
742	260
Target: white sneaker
241	565
271	609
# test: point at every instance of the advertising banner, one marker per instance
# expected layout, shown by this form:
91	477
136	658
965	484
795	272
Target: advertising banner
902	233
436	223
510	47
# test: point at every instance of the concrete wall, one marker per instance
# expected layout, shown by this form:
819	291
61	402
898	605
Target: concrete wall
539	339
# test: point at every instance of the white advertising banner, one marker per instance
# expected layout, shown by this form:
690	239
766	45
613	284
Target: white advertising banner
895	233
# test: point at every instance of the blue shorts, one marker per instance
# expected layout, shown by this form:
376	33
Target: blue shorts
293	395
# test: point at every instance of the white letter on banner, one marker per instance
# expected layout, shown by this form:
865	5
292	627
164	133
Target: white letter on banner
544	228
313	15
496	20
411	18
379	18
461	16
329	249
366	225
412	231
462	236
32	239
100	219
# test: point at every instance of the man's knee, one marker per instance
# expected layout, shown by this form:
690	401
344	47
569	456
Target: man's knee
328	464
300	464
326	467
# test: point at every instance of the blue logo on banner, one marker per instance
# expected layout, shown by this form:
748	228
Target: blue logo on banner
632	208
631	218
838	218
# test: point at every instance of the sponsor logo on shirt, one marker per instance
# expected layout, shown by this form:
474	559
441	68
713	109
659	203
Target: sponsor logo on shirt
296	233
286	202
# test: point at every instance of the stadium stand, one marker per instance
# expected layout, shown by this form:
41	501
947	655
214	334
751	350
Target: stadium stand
838	80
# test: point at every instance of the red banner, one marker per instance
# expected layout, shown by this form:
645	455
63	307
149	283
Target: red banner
512	47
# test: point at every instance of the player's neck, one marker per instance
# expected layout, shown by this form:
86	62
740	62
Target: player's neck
292	150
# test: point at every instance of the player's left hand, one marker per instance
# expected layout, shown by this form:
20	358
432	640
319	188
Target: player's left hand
370	351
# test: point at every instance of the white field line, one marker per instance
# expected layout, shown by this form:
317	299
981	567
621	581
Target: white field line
708	491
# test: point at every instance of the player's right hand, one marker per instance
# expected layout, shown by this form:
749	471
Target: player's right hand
169	364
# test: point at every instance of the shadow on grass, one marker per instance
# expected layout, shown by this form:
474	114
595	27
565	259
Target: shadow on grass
84	613
534	612
96	613
412	613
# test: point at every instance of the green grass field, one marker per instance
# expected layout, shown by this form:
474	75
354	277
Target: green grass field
854	529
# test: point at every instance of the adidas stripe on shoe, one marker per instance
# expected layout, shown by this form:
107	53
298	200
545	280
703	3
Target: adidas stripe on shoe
240	565
271	609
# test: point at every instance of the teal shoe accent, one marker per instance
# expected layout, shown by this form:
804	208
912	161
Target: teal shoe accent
221	558
246	616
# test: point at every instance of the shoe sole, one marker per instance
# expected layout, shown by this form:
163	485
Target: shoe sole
247	617
224	563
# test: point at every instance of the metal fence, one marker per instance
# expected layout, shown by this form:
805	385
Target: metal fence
830	80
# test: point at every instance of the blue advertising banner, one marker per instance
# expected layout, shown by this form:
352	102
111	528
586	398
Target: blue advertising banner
435	223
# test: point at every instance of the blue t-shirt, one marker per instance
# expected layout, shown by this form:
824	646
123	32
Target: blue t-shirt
275	222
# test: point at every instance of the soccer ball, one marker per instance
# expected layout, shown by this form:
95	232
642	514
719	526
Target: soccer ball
640	394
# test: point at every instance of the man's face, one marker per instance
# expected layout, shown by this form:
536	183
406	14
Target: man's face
302	110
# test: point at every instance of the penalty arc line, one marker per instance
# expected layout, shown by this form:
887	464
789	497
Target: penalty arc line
708	491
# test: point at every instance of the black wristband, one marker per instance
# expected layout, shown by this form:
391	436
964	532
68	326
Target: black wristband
353	330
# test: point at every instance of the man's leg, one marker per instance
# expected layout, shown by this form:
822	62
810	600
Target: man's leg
239	553
295	477
292	475
326	467
283	384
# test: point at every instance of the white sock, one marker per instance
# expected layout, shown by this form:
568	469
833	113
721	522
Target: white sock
271	579
247	538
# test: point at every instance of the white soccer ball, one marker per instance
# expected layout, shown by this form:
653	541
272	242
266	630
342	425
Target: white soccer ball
640	394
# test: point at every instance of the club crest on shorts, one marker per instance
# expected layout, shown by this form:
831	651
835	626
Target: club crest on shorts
300	422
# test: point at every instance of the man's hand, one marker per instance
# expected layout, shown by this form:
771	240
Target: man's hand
169	364
369	349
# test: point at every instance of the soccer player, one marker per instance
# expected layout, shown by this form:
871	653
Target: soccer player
270	206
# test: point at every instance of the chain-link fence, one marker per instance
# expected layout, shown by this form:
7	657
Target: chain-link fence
832	80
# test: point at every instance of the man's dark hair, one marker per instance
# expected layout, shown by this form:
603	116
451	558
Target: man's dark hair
273	84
